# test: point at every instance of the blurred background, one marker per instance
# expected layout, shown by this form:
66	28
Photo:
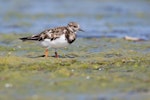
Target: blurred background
99	18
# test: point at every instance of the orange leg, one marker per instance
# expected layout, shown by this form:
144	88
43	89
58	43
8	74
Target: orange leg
56	54
46	52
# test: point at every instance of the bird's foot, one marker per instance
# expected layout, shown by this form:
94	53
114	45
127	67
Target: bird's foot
46	53
56	55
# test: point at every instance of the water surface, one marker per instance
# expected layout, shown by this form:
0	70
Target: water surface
110	18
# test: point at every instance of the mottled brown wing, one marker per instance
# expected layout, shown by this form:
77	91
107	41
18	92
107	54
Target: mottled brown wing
52	33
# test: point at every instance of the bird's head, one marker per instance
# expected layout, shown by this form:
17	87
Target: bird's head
74	27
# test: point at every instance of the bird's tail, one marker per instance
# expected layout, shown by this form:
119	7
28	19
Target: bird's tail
34	38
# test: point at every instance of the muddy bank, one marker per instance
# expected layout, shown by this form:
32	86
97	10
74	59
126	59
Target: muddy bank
91	68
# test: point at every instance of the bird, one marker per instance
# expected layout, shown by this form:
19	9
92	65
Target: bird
57	37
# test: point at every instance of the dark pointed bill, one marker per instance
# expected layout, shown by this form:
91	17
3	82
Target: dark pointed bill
81	30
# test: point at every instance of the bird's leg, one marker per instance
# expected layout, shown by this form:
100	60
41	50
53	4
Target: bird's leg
46	52
56	54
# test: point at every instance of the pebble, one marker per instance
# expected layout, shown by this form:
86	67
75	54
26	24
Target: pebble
19	46
35	97
8	85
72	70
88	77
9	53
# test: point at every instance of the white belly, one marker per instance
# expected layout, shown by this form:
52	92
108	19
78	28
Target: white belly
57	43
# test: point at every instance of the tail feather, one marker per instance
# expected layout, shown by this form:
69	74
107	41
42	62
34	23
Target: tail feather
35	38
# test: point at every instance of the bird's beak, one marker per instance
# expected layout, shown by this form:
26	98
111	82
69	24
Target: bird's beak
81	30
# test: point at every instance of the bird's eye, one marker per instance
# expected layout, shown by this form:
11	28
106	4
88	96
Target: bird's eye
75	26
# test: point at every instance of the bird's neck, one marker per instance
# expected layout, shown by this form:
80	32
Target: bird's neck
70	29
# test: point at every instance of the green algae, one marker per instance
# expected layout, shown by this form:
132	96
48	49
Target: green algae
117	67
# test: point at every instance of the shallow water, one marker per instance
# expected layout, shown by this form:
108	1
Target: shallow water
108	18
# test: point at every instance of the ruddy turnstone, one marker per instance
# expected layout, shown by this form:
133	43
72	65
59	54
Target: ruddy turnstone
58	37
